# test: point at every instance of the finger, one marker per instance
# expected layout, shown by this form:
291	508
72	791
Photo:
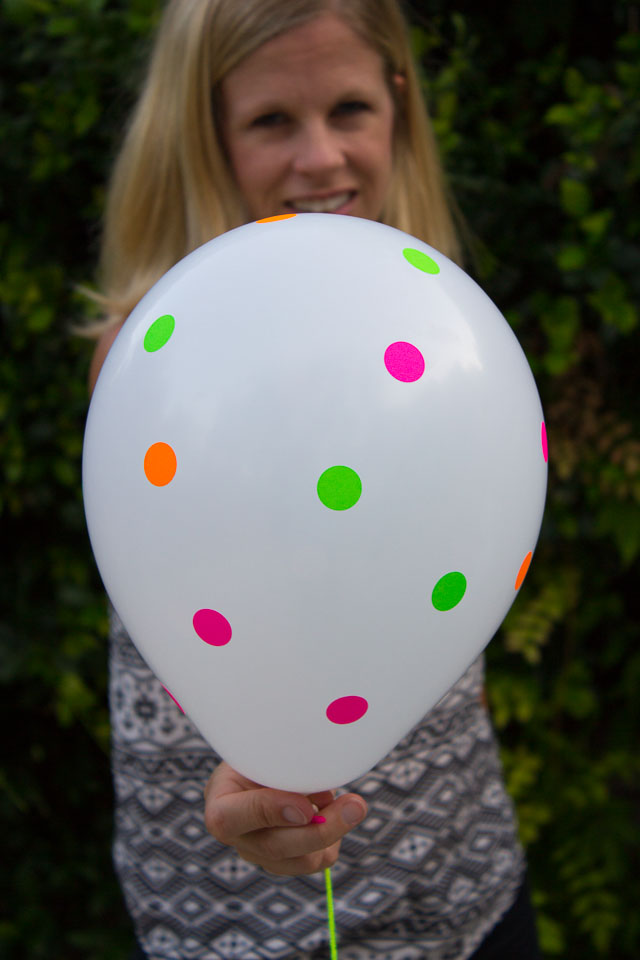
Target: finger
225	779
341	815
322	799
231	816
300	866
275	845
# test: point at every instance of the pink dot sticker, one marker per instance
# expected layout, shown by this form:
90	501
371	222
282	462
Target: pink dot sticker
173	698
543	437
404	361
212	627
347	709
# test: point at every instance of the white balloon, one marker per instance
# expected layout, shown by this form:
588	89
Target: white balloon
314	472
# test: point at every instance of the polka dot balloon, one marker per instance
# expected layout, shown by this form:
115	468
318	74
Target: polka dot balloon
314	474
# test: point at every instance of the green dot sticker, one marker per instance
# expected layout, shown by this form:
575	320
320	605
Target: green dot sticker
159	333
339	488
420	260
449	591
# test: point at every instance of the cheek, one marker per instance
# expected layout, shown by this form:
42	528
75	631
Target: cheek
380	165
242	166
379	153
258	171
245	164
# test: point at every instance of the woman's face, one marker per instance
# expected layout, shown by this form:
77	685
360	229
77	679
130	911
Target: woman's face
308	123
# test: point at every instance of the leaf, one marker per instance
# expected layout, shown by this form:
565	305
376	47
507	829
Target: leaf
574	83
596	224
610	300
621	521
572	257
528	625
560	321
86	115
40	318
74	698
575	693
575	197
561	114
551	935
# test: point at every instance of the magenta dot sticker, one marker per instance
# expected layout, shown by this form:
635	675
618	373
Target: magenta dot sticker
347	709
173	698
404	361
212	627
543	437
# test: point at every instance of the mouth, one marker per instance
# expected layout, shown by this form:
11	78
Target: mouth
328	203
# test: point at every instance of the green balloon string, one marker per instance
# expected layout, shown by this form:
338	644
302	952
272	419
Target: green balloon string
330	915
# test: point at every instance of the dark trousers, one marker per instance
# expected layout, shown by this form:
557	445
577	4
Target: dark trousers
514	938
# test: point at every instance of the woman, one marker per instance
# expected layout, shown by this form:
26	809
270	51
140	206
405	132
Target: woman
252	108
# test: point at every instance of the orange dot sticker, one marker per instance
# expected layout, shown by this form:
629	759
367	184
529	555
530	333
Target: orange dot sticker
160	464
282	216
522	572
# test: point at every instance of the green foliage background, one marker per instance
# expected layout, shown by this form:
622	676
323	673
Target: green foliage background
537	109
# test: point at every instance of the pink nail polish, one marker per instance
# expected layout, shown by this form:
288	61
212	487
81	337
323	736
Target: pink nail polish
318	819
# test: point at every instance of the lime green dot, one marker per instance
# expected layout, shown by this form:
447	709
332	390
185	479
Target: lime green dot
339	488
159	333
449	591
420	260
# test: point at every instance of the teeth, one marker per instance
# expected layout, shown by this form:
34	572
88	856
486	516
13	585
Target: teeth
321	206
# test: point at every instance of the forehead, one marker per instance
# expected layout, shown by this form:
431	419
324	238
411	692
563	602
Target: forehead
322	54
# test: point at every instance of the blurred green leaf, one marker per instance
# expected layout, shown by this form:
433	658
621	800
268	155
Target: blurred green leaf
613	305
575	197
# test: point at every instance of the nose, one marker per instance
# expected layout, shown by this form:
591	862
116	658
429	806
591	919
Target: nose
317	149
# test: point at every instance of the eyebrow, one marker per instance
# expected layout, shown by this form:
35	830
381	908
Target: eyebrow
268	106
265	107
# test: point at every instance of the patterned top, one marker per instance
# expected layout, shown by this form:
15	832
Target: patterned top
430	870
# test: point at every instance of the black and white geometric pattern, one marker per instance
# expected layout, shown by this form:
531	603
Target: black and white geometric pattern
429	872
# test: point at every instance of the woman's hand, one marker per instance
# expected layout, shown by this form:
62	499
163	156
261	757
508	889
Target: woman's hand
273	828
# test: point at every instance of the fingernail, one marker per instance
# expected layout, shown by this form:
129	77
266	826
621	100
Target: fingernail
318	819
294	815
352	813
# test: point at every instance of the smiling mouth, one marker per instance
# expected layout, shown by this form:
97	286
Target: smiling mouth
322	204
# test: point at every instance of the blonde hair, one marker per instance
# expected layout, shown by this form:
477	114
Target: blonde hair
172	188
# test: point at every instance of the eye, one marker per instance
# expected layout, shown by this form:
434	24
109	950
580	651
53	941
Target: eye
350	107
269	120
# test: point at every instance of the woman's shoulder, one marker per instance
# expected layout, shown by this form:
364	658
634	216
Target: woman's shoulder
104	344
